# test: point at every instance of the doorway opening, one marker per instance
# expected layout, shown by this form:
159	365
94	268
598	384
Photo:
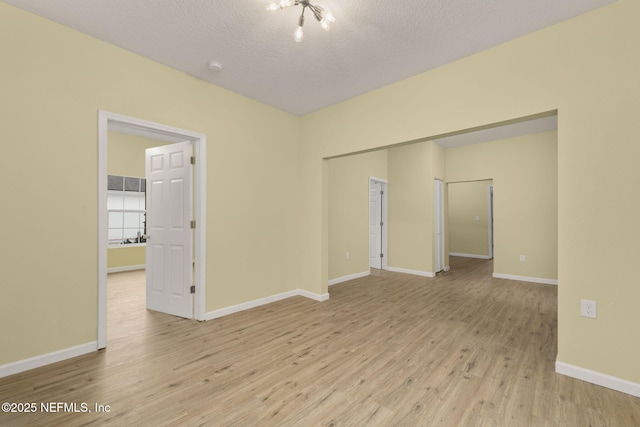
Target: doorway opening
378	223
470	218
108	121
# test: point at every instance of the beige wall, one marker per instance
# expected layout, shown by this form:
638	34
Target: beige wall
412	170
410	197
469	218
525	178
126	256
587	69
51	118
126	153
349	210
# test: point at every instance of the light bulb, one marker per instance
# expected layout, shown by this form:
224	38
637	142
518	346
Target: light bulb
298	35
325	25
329	17
286	3
272	7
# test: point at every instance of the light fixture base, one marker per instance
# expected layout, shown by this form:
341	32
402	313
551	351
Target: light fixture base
323	16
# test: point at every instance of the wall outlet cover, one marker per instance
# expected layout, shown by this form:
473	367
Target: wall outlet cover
588	308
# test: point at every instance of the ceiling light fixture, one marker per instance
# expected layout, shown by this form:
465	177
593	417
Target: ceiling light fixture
322	16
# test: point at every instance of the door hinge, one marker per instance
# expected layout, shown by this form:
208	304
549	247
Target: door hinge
193	160
193	289
381	255
381	223
193	224
381	193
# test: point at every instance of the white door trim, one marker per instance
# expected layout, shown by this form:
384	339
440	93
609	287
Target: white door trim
438	226
490	215
107	119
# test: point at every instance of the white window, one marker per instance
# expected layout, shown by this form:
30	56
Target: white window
126	204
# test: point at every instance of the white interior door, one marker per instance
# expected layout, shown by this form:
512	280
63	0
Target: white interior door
377	223
438	226
169	243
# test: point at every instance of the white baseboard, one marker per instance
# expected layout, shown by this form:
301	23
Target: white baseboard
526	279
469	255
598	378
126	268
313	296
57	356
408	271
263	301
46	359
349	277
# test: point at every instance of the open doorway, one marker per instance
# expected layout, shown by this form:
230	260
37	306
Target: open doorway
470	214
127	201
196	264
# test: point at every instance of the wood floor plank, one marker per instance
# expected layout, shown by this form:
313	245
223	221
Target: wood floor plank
460	349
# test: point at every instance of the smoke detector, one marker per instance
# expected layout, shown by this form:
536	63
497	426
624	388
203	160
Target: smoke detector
214	66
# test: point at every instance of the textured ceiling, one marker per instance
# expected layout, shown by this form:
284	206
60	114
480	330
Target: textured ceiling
372	43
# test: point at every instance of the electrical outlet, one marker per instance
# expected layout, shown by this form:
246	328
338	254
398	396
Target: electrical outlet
588	308
348	255
523	258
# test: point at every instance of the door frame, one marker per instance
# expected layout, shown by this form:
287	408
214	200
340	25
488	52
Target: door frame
438	223
490	215
383	232
107	120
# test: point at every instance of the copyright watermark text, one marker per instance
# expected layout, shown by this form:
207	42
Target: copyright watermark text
53	407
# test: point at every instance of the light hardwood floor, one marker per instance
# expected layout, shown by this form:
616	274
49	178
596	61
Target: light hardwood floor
461	349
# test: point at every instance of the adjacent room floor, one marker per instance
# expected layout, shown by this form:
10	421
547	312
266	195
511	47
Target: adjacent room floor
388	349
